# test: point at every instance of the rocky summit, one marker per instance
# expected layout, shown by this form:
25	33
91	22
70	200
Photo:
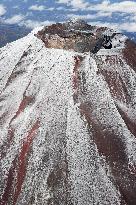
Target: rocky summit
78	36
68	117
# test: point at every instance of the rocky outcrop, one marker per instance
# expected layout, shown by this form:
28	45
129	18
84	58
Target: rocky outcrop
67	119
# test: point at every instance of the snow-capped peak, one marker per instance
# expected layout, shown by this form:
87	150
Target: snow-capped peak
68	118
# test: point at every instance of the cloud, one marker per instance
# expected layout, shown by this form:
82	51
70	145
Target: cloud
124	6
78	4
15	7
37	7
75	16
121	27
14	19
50	9
33	24
2	9
133	18
106	24
90	16
105	5
130	27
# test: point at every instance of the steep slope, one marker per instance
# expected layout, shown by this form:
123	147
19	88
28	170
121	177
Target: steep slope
67	121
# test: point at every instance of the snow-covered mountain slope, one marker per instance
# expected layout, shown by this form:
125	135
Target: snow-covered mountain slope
67	125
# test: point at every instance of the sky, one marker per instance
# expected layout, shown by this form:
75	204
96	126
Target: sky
117	14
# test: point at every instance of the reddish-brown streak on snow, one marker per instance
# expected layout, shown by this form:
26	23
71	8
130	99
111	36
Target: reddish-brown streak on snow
26	101
130	123
115	82
129	54
116	85
22	159
77	60
112	147
58	177
14	74
9	185
19	165
104	137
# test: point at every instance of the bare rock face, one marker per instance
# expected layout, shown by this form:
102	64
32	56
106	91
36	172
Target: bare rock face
74	35
68	117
